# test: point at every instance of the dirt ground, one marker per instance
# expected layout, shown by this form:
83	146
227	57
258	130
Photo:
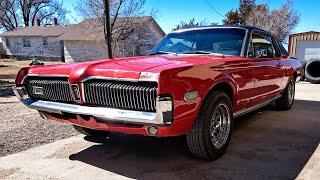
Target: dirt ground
266	144
20	127
9	68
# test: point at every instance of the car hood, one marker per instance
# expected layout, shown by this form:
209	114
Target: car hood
121	67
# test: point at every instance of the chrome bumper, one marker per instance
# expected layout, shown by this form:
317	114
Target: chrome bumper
163	114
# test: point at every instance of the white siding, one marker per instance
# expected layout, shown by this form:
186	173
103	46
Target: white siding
139	43
78	51
52	51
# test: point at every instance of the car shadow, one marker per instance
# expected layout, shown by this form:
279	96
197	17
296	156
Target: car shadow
266	144
6	89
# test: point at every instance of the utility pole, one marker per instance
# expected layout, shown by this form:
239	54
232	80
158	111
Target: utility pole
107	27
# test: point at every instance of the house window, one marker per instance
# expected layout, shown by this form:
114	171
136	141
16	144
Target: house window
8	42
45	41
136	50
26	42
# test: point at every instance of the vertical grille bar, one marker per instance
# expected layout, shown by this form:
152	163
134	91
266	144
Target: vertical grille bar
123	95
49	89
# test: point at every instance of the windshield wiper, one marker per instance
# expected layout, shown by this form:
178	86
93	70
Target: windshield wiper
202	52
161	52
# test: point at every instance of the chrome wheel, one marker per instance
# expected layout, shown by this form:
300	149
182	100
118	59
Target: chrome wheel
291	91
220	125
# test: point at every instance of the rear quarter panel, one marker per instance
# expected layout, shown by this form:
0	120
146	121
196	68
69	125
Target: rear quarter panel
292	67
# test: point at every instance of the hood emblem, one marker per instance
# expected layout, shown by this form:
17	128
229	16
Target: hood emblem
37	90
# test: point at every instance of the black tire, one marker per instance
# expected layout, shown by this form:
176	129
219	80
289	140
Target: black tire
90	132
310	70
199	137
285	102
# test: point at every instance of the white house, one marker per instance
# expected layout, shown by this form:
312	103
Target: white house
81	42
86	41
34	41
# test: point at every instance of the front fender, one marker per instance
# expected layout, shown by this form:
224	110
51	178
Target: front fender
183	80
224	78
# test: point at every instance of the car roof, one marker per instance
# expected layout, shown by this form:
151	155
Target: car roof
245	27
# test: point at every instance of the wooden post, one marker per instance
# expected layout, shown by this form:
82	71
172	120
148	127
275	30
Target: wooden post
107	27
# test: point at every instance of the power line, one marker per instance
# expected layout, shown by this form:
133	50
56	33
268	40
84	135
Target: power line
213	8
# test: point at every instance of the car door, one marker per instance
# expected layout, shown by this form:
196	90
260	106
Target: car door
268	72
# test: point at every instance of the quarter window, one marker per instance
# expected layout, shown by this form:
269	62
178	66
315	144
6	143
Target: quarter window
261	46
26	42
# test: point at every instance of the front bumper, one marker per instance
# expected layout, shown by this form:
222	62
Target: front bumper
162	116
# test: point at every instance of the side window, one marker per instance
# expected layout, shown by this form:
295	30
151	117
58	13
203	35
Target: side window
276	48
283	51
261	46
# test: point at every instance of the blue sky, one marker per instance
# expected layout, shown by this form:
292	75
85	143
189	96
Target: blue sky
172	12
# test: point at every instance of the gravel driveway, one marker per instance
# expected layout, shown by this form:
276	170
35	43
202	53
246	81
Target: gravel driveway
22	128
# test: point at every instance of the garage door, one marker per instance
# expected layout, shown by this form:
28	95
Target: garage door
308	50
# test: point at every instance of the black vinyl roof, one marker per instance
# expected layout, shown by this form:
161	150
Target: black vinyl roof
246	27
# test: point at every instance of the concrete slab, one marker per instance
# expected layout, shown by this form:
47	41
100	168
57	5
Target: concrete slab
266	144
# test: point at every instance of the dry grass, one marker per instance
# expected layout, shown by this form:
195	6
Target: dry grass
9	68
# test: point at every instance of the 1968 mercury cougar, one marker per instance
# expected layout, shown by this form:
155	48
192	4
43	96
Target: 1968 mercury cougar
193	83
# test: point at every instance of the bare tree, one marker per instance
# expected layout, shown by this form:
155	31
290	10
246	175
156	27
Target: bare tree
193	24
14	13
124	21
279	21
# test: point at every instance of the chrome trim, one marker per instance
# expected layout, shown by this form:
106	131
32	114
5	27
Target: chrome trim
118	79
42	75
82	92
133	96
56	90
23	79
20	92
205	28
107	114
253	108
244	44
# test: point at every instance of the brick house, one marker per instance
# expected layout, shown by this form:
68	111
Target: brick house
81	42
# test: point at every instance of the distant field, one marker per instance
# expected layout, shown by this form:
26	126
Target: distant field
10	68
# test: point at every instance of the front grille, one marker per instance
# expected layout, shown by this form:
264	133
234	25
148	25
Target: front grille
50	89
140	96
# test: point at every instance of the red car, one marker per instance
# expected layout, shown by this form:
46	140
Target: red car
193	83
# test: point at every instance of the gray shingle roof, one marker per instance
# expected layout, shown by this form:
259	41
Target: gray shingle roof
32	31
93	30
89	29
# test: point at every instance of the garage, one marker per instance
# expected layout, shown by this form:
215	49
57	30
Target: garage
306	47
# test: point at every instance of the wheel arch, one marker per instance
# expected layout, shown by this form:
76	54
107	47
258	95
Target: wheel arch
226	85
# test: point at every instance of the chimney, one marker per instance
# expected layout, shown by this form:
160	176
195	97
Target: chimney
55	21
38	22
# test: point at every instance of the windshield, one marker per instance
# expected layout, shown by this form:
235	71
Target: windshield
226	41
